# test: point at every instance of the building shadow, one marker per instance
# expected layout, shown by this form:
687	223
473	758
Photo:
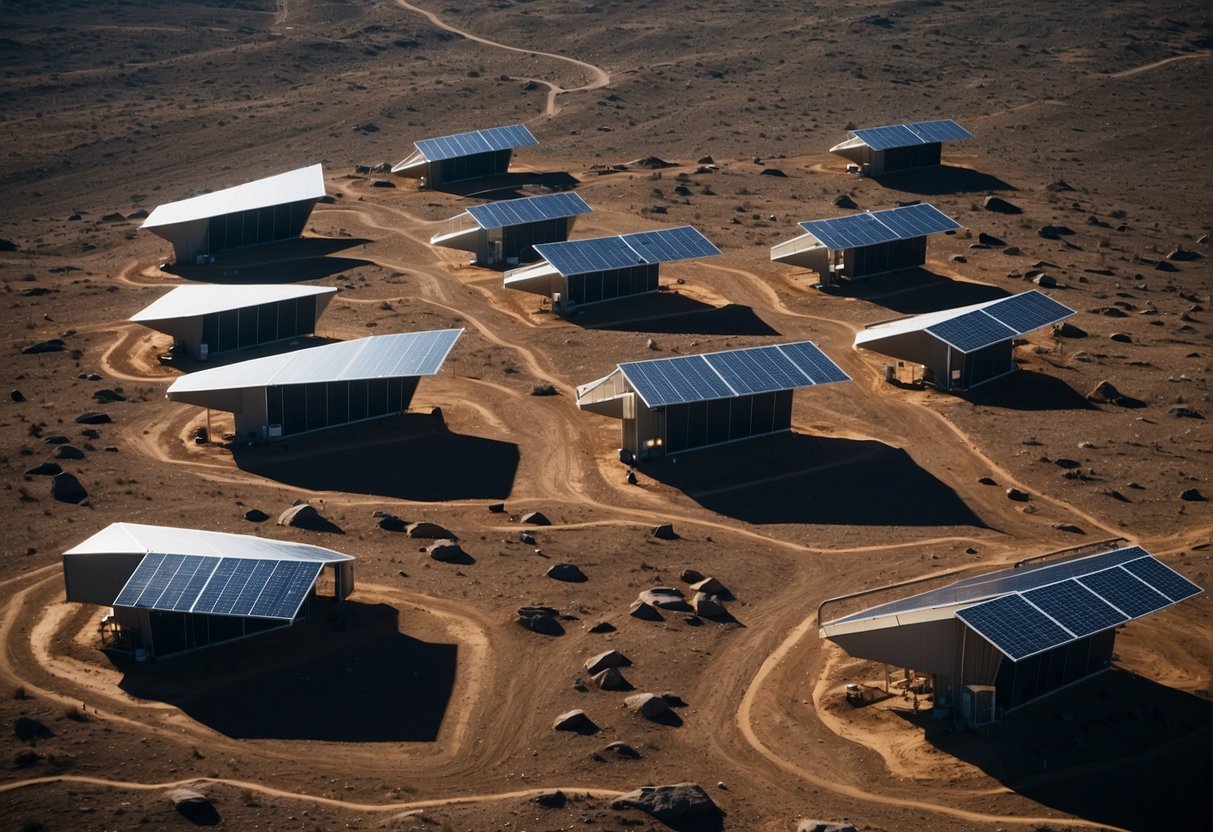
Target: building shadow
795	478
1029	390
942	179
672	313
288	261
296	683
191	364
915	291
412	456
510	185
1116	748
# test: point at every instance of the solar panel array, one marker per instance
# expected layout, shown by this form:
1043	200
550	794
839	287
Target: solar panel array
723	375
476	141
529	209
626	250
903	223
249	587
1000	320
908	135
1023	624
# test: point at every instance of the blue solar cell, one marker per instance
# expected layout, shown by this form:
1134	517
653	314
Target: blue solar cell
902	223
1125	591
1075	607
814	363
908	135
1028	311
511	212
171	598
667	245
253	587
159	581
476	141
971	331
1163	578
761	370
235	585
1014	626
944	130
286	589
209	597
138	581
594	255
675	380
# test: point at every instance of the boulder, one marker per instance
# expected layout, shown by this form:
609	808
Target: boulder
52	345
576	721
550	800
392	523
536	518
382	183
1059	186
68	452
669	803
1068	330
55	439
709	606
567	572
808	825
7	245
773	172
1070	528
447	551
1054	232
1066	462
611	678
691	576
665	597
93	418
1000	206
194	806
67	489
989	240
1181	253
1183	412
1121	338
602	627
650	162
107	396
542	620
1165	266
608	658
664	532
1192	495
26	728
710	586
844	201
45	469
987	481
619	751
431	531
648	705
1106	392
1017	495
1045	281
497	508
305	516
16	395
673	700
256	515
644	611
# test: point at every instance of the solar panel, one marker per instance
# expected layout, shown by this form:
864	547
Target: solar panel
209	597
226	598
669	244
594	255
253	587
138	581
177	595
761	370
1163	578
1028	311
908	135
971	331
813	362
1014	626
285	589
511	212
1075	607
902	223
676	380
1126	592
476	141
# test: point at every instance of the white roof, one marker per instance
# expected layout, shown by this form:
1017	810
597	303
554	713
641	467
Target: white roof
292	186
138	539
379	356
206	299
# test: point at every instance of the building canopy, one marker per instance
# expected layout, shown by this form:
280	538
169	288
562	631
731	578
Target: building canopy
876	227
528	209
471	143
894	136
293	186
207	299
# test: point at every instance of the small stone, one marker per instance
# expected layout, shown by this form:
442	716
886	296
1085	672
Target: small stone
644	611
1070	528
1192	495
536	518
256	515
608	658
1017	495
567	572
1121	337
664	532
550	800
576	721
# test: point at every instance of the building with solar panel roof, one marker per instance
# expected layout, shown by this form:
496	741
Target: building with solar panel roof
210	319
961	348
994	642
582	272
865	245
896	147
175	590
508	231
321	387
472	155
671	405
264	211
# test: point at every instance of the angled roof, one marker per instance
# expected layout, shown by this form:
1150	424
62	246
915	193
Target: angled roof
908	135
509	212
476	141
597	254
206	299
292	186
137	538
871	228
970	328
379	356
732	373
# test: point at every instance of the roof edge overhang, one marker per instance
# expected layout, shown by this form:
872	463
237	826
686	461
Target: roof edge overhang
412	165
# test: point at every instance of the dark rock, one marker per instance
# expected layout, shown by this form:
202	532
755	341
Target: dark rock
1105	392
26	758
568	572
447	551
93	418
140	214
1110	312
26	728
194	806
664	532
68	452
527	538
1068	330
989	240
773	172
809	825
844	201
1192	495
1069	528
536	518
542	620
1045	281
691	576
1012	251
666	598
1180	253
1185	412
576	721
1165	266
602	627
648	705
630	477
1055	232
959	258
16	395
67	489
644	611
382	183
1066	462
7	245
430	531
1017	495
256	515
651	163
114	217
392	523
669	803
544	389
497	508
45	469
305	516
708	606
1058	186
611	678
620	751
605	659
1121	337
706	160
361	170
986	481
1000	206
56	439
106	396
52	345
673	700
550	800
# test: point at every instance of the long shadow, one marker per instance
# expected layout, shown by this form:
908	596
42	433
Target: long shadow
409	457
915	291
510	185
1117	748
794	478
1029	390
190	364
289	261
942	179
672	313
296	683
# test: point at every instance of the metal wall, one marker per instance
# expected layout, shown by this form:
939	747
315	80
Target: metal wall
490	163
904	158
238	329
98	578
595	287
260	225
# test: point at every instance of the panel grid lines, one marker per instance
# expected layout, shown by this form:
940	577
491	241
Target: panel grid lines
528	209
857	230
476	141
907	135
